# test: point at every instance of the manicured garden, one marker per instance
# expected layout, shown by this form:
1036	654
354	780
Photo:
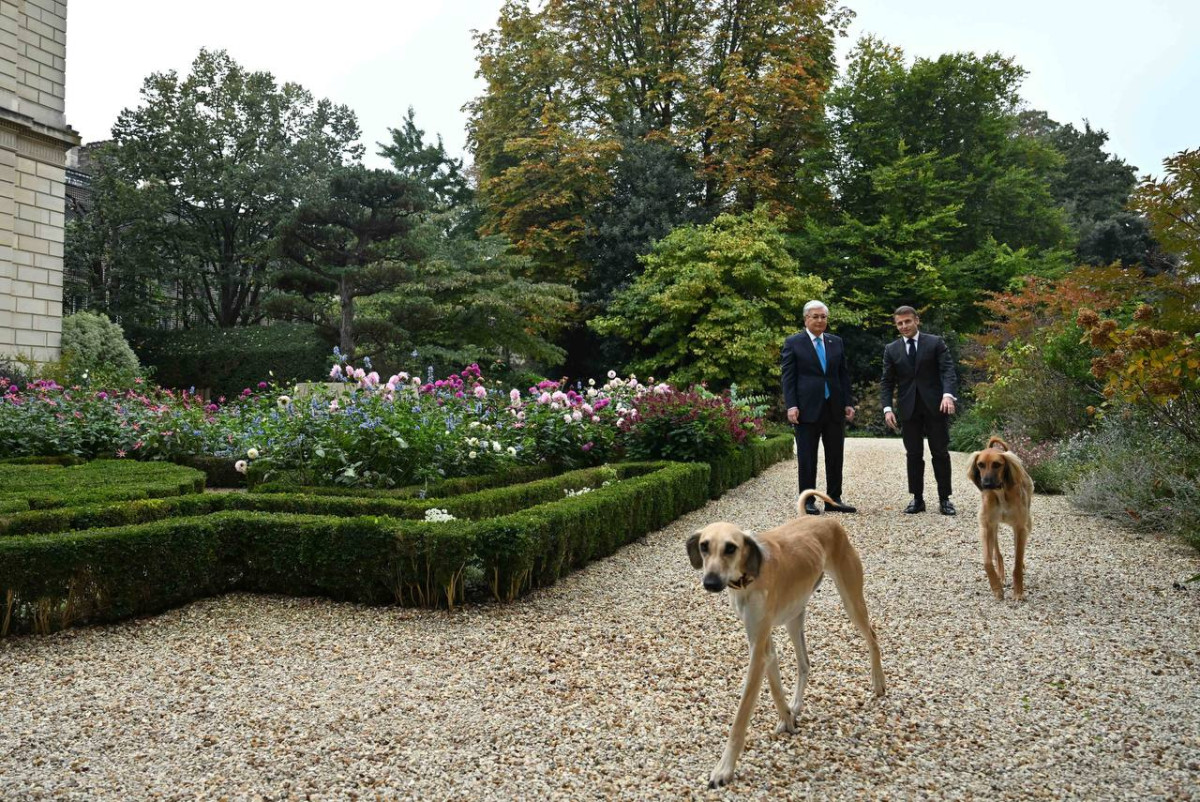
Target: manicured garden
399	491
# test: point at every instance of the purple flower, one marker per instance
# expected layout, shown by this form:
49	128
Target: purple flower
588	446
262	385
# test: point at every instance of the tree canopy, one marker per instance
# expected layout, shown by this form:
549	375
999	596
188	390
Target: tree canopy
196	179
714	304
735	89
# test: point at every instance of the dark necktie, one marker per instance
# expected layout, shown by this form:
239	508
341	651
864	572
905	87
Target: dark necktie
912	352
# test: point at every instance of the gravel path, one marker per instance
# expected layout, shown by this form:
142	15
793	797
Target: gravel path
621	681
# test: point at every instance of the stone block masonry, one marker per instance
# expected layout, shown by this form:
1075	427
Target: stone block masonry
34	138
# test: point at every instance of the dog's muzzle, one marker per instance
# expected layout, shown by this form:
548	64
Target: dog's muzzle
991	485
713	583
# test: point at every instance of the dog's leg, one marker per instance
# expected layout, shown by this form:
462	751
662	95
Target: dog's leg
987	533
1020	536
849	580
998	556
723	772
787	722
795	629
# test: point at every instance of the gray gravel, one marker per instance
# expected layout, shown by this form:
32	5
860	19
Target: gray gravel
621	681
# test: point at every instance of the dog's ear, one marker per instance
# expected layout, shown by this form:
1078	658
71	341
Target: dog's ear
1008	471
693	549
973	470
753	556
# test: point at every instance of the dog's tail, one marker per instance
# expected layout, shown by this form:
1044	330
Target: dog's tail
998	444
806	495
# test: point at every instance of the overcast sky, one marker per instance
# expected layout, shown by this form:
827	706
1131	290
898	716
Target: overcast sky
1131	68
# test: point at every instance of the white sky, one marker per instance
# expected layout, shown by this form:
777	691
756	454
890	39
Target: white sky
1131	68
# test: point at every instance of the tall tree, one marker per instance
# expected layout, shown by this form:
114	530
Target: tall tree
735	88
1093	187
714	304
356	241
198	177
427	165
1172	206
468	302
941	195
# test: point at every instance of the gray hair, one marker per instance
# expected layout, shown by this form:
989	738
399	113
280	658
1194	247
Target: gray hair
811	305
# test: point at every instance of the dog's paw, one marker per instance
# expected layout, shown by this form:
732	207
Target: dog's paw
787	725
721	775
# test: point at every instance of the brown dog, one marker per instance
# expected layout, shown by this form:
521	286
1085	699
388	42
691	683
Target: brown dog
771	576
1007	492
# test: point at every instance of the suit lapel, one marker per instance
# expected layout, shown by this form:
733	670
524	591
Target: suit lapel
810	350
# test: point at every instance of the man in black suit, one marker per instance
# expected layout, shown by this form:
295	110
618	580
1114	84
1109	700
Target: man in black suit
924	370
816	390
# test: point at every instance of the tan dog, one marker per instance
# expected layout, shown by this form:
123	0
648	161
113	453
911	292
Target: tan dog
771	576
1007	492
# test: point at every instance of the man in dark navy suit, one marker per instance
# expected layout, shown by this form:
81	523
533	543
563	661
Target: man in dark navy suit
921	367
816	391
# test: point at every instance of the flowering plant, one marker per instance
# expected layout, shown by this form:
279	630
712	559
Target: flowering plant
375	432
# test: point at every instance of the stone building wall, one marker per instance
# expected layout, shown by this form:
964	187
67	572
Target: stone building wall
34	138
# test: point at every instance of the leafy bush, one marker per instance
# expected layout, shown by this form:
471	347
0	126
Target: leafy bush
1043	461
13	371
687	426
868	415
1137	472
226	361
94	348
970	430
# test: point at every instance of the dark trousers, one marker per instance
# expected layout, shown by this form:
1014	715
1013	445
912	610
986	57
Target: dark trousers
935	427
829	428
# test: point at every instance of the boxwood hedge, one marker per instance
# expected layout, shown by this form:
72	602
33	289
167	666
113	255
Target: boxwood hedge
102	561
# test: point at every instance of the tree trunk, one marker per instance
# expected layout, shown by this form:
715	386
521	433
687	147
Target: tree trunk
347	332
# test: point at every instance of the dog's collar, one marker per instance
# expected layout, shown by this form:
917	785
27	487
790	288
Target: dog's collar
739	584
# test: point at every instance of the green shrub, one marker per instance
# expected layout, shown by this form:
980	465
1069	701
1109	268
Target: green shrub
49	581
65	459
687	426
143	556
748	462
94	347
46	486
228	360
13	371
218	471
1141	475
970	430
439	489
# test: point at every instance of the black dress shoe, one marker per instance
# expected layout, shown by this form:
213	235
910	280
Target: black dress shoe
811	508
916	505
946	508
838	506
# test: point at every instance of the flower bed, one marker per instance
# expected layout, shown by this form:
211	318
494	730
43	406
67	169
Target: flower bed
403	432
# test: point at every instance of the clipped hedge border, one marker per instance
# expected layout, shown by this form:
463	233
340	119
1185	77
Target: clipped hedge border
51	581
746	463
218	471
484	503
47	486
444	488
62	459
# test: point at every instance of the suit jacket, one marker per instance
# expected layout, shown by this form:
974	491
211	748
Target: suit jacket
803	380
932	378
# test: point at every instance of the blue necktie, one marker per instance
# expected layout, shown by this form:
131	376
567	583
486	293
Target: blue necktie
820	346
